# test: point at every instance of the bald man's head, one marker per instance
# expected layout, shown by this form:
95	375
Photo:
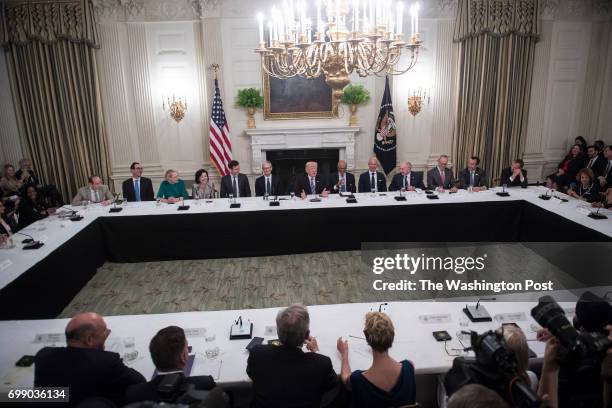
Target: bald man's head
87	330
373	163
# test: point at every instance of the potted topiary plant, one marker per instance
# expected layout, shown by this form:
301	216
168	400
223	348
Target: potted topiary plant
355	95
250	98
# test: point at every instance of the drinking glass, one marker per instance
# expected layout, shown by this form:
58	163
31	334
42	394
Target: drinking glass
211	350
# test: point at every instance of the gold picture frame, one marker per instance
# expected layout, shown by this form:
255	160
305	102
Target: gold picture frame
291	98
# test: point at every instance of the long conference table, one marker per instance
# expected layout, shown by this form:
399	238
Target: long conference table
38	284
206	331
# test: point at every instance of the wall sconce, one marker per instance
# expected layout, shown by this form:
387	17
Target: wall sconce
177	107
416	98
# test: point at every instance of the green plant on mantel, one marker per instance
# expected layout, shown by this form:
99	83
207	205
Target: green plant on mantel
250	98
355	95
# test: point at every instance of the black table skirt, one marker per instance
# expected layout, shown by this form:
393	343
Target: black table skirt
45	289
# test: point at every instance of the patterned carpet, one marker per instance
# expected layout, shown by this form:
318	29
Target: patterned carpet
272	281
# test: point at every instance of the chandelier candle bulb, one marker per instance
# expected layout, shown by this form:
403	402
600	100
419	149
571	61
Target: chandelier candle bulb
416	19
270	34
261	30
400	17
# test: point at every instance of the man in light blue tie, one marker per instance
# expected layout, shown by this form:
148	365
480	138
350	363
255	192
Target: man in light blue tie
311	182
473	176
137	188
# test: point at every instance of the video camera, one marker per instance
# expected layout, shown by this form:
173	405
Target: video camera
574	344
495	366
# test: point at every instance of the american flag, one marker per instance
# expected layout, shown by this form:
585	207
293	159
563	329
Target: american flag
220	146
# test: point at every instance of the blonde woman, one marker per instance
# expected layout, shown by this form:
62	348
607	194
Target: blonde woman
387	383
172	189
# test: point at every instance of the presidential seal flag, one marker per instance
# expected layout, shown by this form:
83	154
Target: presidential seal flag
385	140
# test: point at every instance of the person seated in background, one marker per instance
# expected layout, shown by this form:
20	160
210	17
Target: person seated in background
372	180
342	181
586	188
582	143
387	383
49	192
311	183
476	396
284	375
8	224
406	179
605	180
595	163
137	188
95	192
203	188
514	175
83	365
32	207
568	168
169	352
473	175
9	183
235	183
441	177
268	184
172	189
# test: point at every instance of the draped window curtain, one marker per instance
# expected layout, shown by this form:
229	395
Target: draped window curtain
497	41
50	49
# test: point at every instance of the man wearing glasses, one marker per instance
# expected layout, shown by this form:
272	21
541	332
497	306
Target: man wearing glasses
137	188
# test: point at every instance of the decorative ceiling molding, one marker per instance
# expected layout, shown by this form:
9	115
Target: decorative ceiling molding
549	9
447	8
154	10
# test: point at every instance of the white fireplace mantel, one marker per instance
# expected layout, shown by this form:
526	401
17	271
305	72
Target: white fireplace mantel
341	138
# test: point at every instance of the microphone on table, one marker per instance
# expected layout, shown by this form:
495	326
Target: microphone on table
30	242
477	313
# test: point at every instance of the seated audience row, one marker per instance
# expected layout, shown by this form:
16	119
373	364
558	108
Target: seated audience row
286	375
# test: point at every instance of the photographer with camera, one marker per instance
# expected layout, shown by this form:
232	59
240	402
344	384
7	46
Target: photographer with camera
170	353
574	353
498	366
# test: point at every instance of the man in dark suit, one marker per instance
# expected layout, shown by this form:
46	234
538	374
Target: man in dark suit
137	188
514	175
473	175
284	375
268	183
235	183
441	177
312	182
169	351
406	179
596	163
605	179
341	181
372	179
83	365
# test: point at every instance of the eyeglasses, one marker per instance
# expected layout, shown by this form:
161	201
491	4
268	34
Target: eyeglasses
138	168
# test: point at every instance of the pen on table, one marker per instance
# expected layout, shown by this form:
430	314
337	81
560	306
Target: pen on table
356	337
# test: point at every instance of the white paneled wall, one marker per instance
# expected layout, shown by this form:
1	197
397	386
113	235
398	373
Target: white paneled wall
565	86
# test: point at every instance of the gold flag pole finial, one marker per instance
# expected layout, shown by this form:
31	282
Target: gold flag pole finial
215	68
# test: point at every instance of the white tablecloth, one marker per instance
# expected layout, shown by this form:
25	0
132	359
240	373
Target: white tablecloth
54	232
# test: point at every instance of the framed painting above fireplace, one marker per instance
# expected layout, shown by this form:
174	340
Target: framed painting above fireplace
297	98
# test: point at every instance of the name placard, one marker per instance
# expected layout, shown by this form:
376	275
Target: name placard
435	318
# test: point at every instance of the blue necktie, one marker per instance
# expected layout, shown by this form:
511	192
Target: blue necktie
313	186
137	189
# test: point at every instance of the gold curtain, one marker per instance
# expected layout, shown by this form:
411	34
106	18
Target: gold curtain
50	50
496	51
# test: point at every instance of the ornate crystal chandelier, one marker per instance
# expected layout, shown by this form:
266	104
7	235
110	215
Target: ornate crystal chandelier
361	36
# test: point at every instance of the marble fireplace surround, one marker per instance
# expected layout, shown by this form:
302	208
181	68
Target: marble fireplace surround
263	140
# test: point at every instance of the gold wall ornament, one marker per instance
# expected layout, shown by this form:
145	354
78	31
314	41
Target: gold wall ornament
251	120
177	107
366	40
416	100
353	119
